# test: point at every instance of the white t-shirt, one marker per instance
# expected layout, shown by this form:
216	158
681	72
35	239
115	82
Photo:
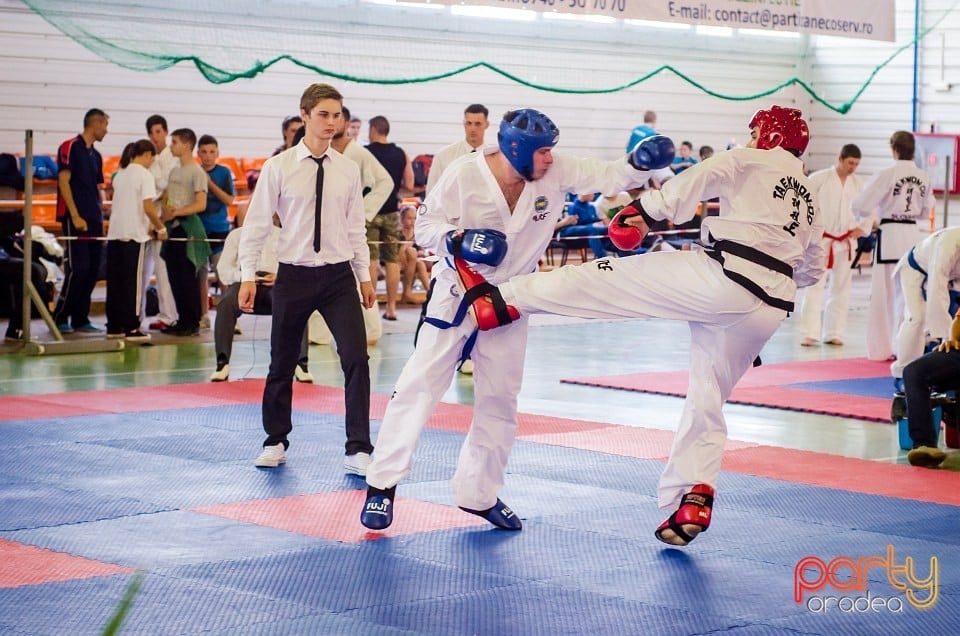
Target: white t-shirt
131	187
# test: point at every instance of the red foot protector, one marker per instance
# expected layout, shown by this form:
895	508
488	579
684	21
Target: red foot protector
486	303
690	519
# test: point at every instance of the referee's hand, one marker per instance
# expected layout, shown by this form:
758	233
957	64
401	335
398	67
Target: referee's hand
248	292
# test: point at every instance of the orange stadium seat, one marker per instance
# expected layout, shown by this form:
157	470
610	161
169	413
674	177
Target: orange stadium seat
255	163
111	163
239	178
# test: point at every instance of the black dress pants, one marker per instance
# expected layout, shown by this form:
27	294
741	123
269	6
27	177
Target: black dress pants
297	293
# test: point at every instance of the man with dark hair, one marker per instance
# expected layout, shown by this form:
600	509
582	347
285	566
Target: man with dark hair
154	264
80	211
475	124
185	198
895	198
215	217
384	230
353	128
835	188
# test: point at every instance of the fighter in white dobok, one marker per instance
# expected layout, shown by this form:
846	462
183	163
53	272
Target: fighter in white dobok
835	188
925	277
897	197
734	291
509	194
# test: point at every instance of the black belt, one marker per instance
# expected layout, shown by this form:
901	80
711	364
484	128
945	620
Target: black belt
715	251
903	221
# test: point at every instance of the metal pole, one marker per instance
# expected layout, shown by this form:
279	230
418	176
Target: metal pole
947	187
26	302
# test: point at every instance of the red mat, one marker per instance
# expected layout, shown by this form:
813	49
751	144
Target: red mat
766	386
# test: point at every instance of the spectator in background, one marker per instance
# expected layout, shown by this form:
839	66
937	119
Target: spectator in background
475	124
384	230
896	197
835	188
353	129
184	199
685	159
647	129
215	219
134	220
412	266
705	152
80	211
154	264
581	220
289	128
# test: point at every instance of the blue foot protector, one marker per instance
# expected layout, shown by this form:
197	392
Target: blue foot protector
499	515
378	510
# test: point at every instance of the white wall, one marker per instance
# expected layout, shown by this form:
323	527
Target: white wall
49	80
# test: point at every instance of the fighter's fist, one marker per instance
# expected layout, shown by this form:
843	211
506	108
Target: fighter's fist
487	247
653	153
628	236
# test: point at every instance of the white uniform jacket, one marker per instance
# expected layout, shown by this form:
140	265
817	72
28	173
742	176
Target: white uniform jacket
897	197
939	256
765	203
468	197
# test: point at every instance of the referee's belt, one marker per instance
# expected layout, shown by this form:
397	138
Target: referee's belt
716	251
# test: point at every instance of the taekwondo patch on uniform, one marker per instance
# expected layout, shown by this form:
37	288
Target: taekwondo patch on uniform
421	209
540	208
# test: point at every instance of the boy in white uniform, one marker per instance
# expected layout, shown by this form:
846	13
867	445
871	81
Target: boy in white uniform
835	188
515	189
734	291
897	196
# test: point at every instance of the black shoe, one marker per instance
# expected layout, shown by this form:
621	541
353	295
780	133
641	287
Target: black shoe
898	409
176	329
14	335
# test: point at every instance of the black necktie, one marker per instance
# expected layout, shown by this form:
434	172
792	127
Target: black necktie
316	209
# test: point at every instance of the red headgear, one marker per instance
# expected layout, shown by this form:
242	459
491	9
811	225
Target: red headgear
783	127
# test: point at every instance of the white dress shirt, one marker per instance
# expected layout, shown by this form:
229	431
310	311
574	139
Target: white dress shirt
287	185
228	267
162	166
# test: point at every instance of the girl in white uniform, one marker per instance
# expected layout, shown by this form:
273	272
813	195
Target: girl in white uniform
897	197
924	277
734	293
518	189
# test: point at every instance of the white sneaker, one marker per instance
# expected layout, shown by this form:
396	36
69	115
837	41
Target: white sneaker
221	374
236	330
357	464
302	374
467	367
271	457
205	322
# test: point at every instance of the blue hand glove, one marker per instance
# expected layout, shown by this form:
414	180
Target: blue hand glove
653	153
488	247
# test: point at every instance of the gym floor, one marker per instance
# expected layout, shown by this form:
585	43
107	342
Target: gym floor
132	461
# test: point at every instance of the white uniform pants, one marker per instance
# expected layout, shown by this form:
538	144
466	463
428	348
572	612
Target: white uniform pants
836	284
884	313
728	328
498	357
910	335
155	265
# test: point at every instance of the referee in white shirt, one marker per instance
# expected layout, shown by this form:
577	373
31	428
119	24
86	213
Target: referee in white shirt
322	252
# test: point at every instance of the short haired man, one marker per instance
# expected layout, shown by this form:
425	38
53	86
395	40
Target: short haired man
734	291
835	187
322	253
383	231
475	124
353	128
154	264
80	212
215	217
514	189
183	200
647	129
896	198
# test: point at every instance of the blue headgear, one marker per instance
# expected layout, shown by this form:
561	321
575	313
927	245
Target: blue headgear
522	133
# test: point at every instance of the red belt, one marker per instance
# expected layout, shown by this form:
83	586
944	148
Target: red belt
836	239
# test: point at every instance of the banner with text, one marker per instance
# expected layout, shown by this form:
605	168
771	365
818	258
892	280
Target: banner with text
867	19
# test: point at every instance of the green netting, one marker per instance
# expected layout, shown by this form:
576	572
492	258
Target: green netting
227	41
